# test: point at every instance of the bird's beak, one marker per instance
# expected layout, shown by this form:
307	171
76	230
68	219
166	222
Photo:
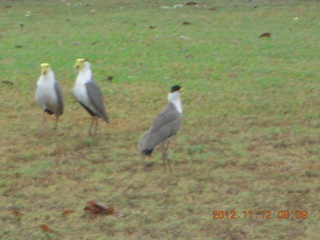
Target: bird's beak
79	63
181	92
44	68
77	66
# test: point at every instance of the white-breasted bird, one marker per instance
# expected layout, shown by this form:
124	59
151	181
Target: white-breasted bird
88	94
164	127
49	95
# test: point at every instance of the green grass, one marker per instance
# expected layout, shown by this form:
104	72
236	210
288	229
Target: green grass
249	142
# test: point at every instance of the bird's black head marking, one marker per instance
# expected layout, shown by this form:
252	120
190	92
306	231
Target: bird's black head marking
175	88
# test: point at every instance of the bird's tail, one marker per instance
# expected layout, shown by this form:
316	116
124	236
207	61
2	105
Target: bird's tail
105	118
143	145
147	152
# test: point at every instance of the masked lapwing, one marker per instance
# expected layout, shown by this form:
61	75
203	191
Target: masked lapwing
49	95
164	127
88	94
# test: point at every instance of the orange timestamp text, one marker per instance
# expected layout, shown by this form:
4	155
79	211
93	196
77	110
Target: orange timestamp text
281	214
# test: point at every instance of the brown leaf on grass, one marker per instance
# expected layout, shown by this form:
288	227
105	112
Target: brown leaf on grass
67	212
45	228
212	9
17	213
93	209
276	164
186	23
232	75
266	34
311	166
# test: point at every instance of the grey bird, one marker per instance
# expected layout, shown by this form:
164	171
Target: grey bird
164	127
88	94
49	95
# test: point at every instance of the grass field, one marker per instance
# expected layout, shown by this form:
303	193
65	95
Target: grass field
250	139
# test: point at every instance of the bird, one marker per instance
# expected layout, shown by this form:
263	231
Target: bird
88	94
164	127
49	95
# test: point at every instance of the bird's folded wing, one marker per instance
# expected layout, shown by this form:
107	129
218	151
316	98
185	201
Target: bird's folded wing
96	99
58	90
165	125
167	116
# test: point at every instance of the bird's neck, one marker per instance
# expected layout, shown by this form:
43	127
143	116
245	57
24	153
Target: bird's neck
178	105
49	77
84	76
174	98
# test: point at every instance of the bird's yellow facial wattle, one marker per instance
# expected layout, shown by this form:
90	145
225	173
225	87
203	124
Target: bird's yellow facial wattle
181	92
44	68
79	63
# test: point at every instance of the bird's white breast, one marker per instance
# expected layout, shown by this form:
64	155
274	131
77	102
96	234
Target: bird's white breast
45	92
80	90
178	105
175	99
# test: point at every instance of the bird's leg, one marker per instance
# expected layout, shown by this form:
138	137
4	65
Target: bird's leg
165	155
56	125
96	126
168	160
44	120
92	122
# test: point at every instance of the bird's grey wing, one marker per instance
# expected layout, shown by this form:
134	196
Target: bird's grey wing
96	99
58	91
165	125
165	117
